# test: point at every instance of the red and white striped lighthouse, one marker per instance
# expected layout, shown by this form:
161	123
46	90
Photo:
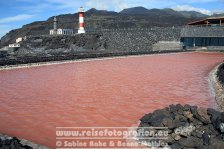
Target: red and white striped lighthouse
81	21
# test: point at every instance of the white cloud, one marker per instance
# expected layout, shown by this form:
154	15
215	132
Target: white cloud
68	4
218	11
97	4
5	25
190	8
15	18
116	5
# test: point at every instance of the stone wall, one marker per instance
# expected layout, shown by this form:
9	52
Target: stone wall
190	31
139	39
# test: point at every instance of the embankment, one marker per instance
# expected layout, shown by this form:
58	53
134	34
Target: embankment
102	43
76	56
216	77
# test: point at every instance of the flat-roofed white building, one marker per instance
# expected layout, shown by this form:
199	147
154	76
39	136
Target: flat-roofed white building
59	31
65	31
14	45
53	32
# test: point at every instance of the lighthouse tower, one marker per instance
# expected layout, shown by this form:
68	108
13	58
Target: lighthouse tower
55	23
81	21
55	27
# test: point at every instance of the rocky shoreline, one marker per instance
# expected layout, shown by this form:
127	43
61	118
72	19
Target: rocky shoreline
188	127
216	78
7	142
32	61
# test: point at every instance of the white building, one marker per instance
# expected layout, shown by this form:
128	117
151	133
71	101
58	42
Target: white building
20	39
53	32
59	31
14	45
64	31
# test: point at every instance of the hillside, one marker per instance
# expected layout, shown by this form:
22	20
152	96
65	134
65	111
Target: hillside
218	15
137	17
107	43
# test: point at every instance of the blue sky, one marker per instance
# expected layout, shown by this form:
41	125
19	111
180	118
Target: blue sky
15	13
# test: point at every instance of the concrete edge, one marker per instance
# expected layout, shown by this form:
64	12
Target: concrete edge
217	89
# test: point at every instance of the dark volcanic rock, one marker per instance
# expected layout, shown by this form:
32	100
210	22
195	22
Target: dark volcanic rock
197	122
13	143
187	107
7	142
146	118
86	41
158	116
176	146
185	131
173	108
191	142
203	116
206	138
220	73
203	147
188	127
197	133
216	143
213	114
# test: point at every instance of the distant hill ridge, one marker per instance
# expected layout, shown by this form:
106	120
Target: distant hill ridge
136	17
218	15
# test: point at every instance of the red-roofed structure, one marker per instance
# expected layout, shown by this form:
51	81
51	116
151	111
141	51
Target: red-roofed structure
212	21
